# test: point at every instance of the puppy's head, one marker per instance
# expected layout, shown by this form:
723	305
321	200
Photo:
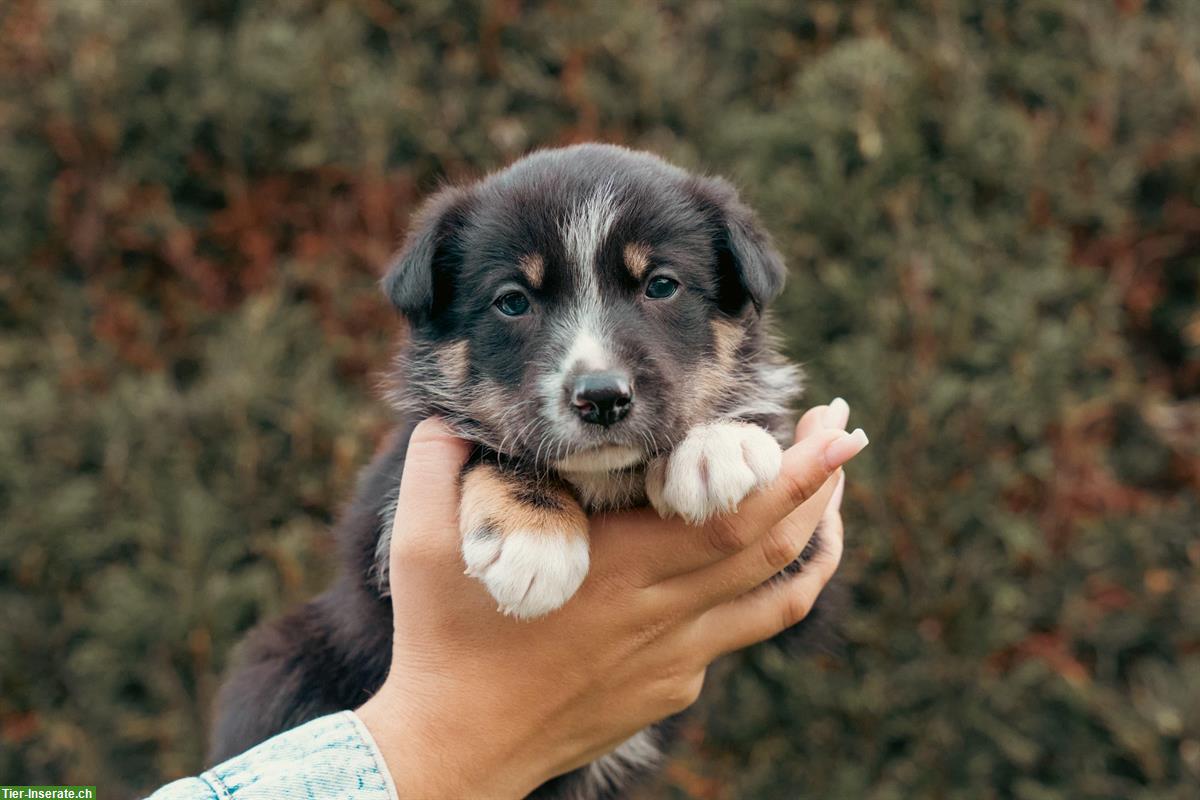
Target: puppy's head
584	307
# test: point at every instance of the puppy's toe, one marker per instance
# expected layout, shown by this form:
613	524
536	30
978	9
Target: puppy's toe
712	470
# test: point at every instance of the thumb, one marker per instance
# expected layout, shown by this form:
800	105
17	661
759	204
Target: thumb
429	485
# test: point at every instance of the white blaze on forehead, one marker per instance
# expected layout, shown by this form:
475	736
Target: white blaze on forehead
583	334
583	232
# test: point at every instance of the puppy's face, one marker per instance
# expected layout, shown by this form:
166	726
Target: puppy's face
583	308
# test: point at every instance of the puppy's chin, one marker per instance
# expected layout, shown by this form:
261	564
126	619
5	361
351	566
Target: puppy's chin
607	458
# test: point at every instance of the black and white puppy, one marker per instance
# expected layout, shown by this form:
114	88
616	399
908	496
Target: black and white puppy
593	319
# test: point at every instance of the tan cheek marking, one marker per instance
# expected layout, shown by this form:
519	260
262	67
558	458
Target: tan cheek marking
710	384
534	268
727	337
453	361
489	499
491	402
714	378
637	259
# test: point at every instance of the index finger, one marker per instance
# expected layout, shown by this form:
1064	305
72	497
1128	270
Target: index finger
427	498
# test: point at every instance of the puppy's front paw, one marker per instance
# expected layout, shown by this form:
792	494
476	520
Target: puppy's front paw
712	470
529	573
531	556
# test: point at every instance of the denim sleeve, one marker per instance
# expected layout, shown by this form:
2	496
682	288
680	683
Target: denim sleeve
330	757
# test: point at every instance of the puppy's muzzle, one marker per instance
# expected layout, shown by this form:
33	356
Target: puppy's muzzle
602	398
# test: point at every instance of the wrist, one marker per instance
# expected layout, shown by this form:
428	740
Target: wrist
432	753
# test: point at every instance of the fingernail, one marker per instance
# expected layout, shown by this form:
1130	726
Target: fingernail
837	414
844	448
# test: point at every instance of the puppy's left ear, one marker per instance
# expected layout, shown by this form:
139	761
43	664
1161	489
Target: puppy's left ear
749	267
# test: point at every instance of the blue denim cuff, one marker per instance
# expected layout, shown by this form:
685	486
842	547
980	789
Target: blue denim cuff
331	757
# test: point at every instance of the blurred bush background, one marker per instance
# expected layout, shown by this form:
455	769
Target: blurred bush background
992	215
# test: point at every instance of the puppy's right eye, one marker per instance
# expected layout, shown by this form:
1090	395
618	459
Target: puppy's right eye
512	304
660	288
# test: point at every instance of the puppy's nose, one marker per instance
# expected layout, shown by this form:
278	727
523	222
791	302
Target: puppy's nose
602	398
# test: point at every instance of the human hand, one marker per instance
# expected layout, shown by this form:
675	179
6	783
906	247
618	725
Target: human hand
480	705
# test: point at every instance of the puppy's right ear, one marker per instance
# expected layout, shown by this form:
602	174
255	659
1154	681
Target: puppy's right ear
420	280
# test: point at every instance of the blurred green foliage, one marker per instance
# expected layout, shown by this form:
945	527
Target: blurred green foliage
992	215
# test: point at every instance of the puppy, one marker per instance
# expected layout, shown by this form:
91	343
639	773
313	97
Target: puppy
592	318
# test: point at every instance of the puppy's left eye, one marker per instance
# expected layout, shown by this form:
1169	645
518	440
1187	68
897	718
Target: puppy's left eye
661	288
512	304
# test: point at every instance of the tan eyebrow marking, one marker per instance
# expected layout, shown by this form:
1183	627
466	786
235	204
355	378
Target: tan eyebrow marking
534	268
637	259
